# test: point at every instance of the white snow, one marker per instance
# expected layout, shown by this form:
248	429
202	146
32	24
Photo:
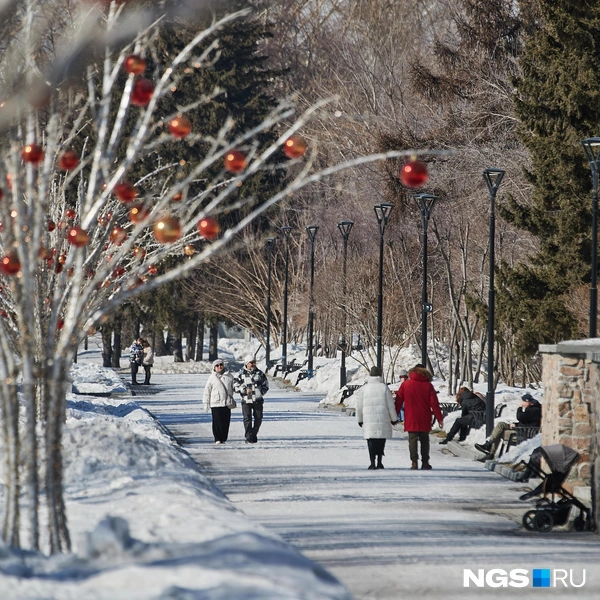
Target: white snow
147	523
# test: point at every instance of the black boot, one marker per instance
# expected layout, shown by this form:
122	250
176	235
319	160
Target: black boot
486	447
379	463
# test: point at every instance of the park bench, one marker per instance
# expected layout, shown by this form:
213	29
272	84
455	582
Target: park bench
479	416
349	389
448	407
303	374
516	436
291	367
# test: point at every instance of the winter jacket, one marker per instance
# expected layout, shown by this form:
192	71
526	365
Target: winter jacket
419	400
470	402
148	359
251	385
136	352
530	416
375	409
218	387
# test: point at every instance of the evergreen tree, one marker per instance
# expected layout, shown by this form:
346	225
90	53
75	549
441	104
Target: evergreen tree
558	105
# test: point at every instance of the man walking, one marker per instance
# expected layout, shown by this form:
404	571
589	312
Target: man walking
251	384
136	356
419	399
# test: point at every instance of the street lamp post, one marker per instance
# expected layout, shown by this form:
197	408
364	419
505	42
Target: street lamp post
286	229
270	242
312	234
591	147
382	212
345	227
425	202
493	178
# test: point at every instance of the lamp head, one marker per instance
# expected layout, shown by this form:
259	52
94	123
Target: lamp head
591	147
382	212
286	230
345	227
312	232
425	202
493	179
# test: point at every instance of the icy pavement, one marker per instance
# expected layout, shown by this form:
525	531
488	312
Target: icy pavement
386	534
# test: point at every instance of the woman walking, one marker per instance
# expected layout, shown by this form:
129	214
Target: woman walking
147	360
218	397
375	413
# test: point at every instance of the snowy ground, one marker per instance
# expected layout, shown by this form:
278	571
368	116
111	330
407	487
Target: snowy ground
179	533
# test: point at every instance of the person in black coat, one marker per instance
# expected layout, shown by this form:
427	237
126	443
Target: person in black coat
529	414
469	402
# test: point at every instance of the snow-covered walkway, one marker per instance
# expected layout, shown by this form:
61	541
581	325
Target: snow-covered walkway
391	533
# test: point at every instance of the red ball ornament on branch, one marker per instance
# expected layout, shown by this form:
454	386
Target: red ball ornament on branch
78	236
178	197
51	225
294	147
118	235
413	174
138	213
167	230
180	127
134	64
189	250
10	264
70	213
235	161
68	160
139	252
142	92
1	194
125	192
209	228
32	153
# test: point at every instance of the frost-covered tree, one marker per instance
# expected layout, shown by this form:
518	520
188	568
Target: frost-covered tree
81	235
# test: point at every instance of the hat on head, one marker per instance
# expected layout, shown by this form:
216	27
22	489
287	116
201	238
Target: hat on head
529	398
248	358
402	373
375	372
219	361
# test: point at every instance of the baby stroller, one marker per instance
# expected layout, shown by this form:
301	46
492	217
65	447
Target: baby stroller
554	504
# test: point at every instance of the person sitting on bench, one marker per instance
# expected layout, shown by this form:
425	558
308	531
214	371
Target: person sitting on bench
469	402
529	414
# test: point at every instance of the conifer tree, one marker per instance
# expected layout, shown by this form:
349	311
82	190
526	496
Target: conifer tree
557	103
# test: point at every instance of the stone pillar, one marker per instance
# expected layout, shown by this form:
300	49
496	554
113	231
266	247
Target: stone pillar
571	409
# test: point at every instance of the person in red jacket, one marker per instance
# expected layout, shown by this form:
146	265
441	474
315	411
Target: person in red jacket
420	403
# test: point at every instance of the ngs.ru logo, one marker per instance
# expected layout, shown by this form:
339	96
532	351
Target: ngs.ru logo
542	578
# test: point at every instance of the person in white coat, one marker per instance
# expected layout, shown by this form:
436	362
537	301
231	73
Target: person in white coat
375	413
218	397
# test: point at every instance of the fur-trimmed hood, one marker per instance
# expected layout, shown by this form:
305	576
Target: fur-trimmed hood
420	374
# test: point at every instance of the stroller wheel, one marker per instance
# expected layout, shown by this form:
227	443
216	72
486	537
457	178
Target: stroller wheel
529	520
579	523
543	521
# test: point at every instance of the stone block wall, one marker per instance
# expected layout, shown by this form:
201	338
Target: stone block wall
571	410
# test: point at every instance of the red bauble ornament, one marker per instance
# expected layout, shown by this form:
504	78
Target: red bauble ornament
209	228
125	192
134	64
138	213
62	258
118	272
177	197
139	252
235	161
179	127
32	153
1	194
189	250
152	270
51	225
294	147
142	92
118	235
1	226
78	237
60	324
68	160
10	264
413	174
167	230
70	213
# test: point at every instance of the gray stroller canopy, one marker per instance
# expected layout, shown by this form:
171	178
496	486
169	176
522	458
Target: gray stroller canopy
560	458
